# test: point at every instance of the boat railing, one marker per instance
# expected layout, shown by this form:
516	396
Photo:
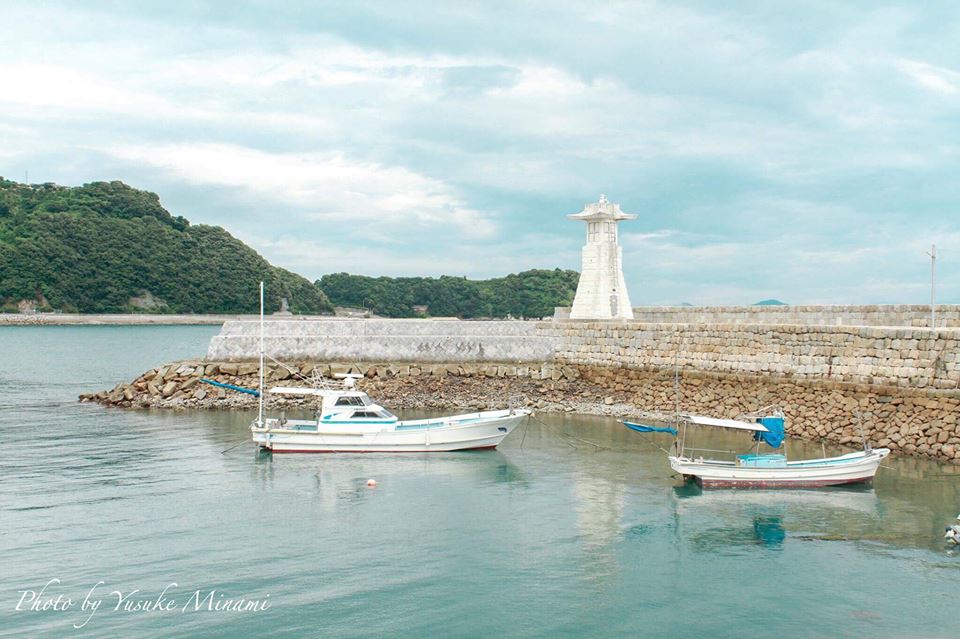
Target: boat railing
688	451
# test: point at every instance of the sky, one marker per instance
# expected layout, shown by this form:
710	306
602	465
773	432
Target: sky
808	152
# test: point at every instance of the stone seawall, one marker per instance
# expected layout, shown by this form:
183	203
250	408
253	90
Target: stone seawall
903	382
911	422
122	319
905	315
900	357
376	340
908	421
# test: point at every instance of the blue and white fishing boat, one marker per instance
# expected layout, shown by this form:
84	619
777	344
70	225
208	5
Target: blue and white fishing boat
765	470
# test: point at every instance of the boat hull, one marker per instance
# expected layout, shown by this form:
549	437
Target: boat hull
854	468
462	432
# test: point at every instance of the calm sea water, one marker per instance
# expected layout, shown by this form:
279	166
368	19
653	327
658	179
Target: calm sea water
573	528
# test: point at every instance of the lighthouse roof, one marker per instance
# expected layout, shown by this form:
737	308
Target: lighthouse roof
602	210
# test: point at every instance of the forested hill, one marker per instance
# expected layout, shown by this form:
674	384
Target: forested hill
107	248
527	294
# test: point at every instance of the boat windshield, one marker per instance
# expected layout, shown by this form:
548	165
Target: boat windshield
367	414
351	400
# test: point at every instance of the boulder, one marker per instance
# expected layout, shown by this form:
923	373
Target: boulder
169	389
248	369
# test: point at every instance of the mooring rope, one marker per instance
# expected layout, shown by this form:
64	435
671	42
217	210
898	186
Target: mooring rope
242	442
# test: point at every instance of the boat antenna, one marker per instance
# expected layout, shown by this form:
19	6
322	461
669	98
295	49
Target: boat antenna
260	385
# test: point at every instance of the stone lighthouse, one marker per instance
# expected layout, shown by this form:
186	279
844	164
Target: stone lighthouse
601	293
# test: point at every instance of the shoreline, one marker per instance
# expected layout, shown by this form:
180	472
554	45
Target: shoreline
134	319
909	423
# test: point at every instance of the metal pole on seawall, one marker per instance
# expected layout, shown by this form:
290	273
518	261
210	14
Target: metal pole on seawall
933	285
260	385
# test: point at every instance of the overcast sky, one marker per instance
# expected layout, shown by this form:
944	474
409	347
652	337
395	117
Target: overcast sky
805	151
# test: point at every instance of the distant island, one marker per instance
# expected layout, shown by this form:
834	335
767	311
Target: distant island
106	247
770	303
528	294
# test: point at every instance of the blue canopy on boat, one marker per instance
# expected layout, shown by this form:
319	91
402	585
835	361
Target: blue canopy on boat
774	435
643	428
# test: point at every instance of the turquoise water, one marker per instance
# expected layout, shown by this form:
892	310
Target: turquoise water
573	528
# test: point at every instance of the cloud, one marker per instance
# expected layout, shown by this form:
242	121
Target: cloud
769	153
937	79
315	257
327	186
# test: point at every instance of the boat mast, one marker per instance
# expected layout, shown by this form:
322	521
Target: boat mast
676	395
260	385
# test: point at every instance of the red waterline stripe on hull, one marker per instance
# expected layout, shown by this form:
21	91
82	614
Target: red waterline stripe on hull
780	484
434	450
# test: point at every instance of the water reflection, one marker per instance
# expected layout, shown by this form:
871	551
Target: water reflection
725	521
769	531
342	477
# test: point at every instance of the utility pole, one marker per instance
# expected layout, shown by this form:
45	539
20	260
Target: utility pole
933	285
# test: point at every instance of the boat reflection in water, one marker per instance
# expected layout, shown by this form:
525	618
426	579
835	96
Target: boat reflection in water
725	522
340	479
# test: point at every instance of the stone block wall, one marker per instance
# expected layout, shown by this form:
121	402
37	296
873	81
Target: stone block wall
912	315
910	421
899	357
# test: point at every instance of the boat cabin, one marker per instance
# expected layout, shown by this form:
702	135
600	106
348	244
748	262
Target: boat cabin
343	406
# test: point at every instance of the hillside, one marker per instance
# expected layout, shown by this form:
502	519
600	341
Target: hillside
108	248
528	294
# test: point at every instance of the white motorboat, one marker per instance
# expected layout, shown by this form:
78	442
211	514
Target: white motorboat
757	470
349	421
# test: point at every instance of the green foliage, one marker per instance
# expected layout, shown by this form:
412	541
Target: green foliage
91	249
528	294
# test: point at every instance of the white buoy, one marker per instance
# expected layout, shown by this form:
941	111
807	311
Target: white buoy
371	483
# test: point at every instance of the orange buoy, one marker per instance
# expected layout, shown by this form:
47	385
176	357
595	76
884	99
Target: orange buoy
371	483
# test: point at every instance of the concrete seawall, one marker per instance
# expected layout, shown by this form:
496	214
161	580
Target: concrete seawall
133	319
385	340
901	357
902	315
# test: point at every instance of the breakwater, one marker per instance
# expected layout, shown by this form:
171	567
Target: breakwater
902	315
379	340
901	385
123	319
